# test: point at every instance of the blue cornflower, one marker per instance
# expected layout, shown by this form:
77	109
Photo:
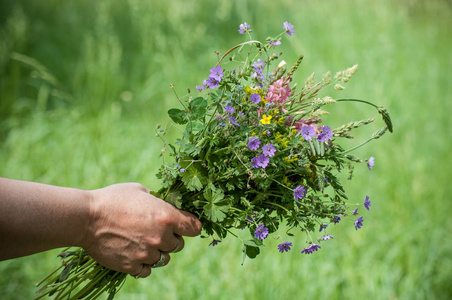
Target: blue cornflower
284	247
327	237
229	109
254	162
261	232
367	203
323	226
253	143
307	132
299	192
269	150
263	161
310	249
370	162
255	98
359	223
288	28
245	27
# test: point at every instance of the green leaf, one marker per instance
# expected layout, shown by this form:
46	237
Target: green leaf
197	108
214	212
175	199
213	195
192	178
195	127
178	116
250	251
216	209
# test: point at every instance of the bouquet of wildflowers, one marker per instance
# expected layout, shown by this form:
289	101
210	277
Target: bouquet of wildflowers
254	156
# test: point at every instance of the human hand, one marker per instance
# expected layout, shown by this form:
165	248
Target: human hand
130	229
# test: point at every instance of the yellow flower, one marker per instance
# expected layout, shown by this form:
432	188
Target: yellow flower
266	119
286	181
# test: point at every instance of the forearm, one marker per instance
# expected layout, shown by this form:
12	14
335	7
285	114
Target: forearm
37	217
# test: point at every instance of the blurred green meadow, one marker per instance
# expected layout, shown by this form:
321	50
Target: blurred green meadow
83	85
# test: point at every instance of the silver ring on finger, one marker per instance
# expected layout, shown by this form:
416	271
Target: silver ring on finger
161	261
177	245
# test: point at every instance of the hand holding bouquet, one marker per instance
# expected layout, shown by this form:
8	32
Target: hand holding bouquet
254	156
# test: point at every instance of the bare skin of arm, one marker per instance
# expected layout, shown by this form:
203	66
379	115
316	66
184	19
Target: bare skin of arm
122	226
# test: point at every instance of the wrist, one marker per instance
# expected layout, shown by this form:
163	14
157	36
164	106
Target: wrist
86	233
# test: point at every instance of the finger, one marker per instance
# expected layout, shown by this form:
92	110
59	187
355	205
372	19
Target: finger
145	271
170	242
180	244
162	260
187	224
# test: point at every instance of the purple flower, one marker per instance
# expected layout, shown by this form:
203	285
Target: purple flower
359	223
284	247
355	212
275	43
259	64
254	162
182	170
288	28
263	161
269	150
261	232
215	242
310	249
299	192
327	237
254	143
326	134
216	73
337	220
251	219
307	132
370	162
255	98
244	28
233	121
211	83
201	87
229	109
241	115
258	75
367	203
323	226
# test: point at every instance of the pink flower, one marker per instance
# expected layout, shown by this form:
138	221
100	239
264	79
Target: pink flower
278	92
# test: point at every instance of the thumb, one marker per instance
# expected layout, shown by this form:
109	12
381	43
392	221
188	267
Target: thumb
187	224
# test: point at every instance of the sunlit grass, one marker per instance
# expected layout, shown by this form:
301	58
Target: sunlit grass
114	62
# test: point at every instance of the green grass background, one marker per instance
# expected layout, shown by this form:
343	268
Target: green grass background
84	83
